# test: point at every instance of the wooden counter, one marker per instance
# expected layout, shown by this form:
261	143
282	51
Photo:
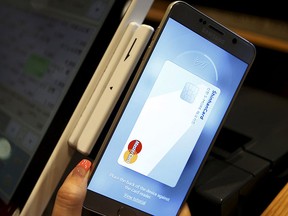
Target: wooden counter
279	205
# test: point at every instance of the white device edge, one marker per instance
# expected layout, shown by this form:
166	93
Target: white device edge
73	139
134	13
114	88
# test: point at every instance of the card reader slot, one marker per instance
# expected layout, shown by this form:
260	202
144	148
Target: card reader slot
111	93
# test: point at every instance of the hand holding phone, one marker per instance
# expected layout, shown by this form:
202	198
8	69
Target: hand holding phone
170	117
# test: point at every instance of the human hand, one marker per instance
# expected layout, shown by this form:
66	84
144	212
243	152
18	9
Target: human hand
71	195
185	211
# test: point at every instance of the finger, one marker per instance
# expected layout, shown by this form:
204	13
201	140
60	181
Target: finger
185	211
71	195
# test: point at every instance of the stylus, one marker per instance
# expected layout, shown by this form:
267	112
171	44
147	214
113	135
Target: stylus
132	27
114	89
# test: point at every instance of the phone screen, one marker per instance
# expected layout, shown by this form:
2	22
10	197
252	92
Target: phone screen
169	122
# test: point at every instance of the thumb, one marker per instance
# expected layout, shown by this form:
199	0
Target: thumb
71	195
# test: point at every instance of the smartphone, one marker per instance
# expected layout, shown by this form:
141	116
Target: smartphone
170	116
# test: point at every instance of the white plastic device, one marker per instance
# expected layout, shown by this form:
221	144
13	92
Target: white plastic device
73	139
114	88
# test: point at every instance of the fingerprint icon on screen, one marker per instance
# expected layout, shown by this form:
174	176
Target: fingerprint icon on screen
134	148
189	92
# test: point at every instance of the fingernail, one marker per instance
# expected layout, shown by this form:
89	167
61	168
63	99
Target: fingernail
82	167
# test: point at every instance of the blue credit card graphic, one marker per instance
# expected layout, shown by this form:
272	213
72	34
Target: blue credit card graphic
179	101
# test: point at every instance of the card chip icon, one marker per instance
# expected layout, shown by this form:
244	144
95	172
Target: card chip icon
189	92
